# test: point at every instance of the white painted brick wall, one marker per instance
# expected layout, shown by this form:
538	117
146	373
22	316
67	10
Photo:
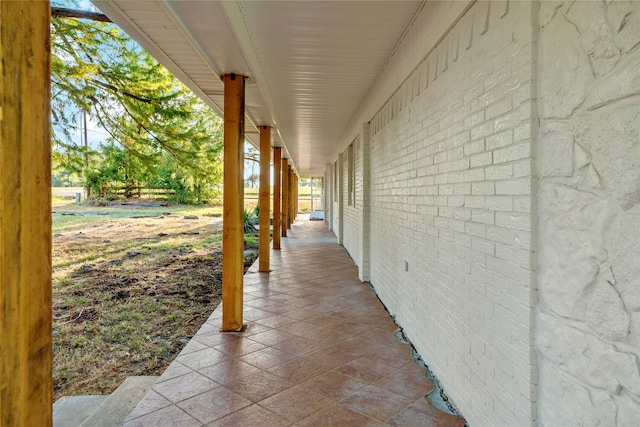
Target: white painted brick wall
352	214
336	192
451	191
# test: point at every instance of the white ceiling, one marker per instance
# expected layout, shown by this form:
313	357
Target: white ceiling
311	64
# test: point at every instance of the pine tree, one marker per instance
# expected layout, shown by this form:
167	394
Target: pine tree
98	70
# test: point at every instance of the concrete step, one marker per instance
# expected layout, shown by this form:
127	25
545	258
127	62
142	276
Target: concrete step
101	411
120	403
71	411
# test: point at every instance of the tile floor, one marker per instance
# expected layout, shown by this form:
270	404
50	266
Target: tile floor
319	350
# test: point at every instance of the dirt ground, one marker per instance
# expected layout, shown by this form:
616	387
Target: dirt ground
131	285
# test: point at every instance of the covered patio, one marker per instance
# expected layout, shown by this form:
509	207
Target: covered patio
319	349
467	148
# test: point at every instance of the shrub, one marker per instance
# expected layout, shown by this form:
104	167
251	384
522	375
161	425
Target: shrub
250	220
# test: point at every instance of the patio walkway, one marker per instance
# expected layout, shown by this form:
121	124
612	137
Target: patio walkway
319	350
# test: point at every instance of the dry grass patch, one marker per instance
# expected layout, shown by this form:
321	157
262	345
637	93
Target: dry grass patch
128	293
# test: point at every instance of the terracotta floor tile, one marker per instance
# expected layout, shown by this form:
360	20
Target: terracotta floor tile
170	416
215	338
272	337
334	385
355	329
267	301
296	403
217	314
367	346
357	346
421	413
239	347
275	321
176	369
323	307
315	335
301	313
259	386
213	405
278	308
255	314
207	328
308	292
337	415
301	328
328	336
227	372
284	297
256	302
298	370
366	369
370	304
251	416
281	292
394	357
254	328
380	335
348	290
247	298
376	403
202	358
299	346
325	321
331	357
266	358
410	381
151	402
193	345
380	319
347	314
184	387
300	302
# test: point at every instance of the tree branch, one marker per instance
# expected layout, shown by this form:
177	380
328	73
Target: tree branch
62	12
117	90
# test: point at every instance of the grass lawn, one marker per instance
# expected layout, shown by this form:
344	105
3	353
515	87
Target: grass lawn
131	284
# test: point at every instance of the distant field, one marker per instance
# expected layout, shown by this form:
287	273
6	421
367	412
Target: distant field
66	190
66	195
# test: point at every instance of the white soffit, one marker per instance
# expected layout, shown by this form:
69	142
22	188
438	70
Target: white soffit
310	64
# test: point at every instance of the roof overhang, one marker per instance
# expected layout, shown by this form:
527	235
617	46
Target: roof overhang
310	64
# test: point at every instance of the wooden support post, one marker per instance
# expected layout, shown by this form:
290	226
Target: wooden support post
277	203
233	204
295	198
26	384
311	197
292	204
285	197
265	206
298	195
290	198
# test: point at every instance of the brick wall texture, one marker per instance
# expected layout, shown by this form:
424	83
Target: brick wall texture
451	216
496	206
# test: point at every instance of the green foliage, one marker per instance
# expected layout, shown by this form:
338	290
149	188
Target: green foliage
250	220
251	239
190	186
62	177
117	170
159	132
